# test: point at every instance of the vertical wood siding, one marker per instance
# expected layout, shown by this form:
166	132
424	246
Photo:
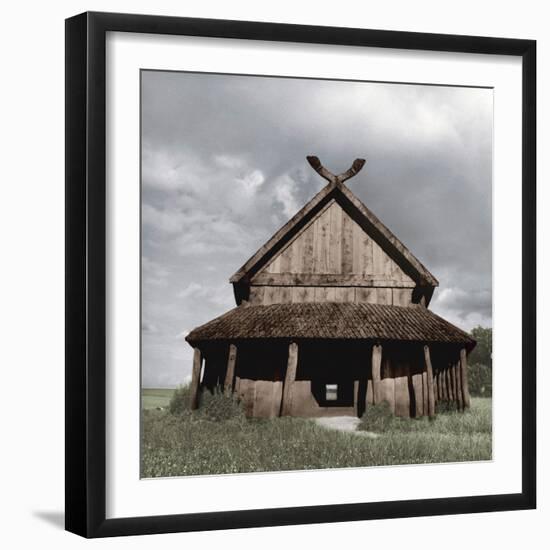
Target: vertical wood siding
299	294
334	243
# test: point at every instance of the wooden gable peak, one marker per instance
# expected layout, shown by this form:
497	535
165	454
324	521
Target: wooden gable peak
338	191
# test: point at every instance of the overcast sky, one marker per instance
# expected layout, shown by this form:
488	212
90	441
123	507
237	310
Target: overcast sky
223	167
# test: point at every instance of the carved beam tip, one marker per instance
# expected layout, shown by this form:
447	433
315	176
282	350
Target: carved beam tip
314	161
354	170
328	175
320	169
358	164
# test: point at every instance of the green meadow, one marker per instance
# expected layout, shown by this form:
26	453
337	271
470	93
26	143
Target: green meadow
219	439
151	398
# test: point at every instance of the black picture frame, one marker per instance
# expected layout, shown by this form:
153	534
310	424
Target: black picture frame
86	274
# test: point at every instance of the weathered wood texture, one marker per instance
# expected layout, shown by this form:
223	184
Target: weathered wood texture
450	382
403	384
425	404
387	384
266	397
464	376
332	178
335	193
332	259
290	377
370	392
333	243
402	394
418	394
376	375
230	372
402	379
328	279
443	384
195	378
458	386
267	295
430	382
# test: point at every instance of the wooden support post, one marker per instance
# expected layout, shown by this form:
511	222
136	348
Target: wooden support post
376	363
450	382
458	386
286	406
356	398
430	376
425	393
443	384
418	395
387	383
230	372
464	376
195	378
401	390
452	371
370	393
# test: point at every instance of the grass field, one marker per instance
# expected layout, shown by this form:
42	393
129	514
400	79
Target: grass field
151	398
196	444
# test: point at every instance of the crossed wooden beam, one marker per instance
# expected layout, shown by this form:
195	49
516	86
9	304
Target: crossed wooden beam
332	178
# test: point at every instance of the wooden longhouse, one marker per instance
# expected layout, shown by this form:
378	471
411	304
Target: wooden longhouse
332	316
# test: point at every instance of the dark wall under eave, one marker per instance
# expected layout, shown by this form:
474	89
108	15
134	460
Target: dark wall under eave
261	369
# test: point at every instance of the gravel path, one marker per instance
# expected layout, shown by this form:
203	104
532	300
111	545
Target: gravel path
344	424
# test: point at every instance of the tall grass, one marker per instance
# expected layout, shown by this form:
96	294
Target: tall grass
180	402
448	421
219	439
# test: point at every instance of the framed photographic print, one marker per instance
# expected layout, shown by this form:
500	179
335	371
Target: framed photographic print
288	248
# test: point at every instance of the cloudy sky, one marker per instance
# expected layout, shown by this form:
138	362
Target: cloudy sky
223	167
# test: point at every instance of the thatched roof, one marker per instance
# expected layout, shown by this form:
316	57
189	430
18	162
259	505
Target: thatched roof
331	321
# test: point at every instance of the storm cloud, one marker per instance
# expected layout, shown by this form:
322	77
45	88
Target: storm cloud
223	167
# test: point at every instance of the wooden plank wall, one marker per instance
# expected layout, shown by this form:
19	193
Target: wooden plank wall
403	386
300	294
387	384
333	243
